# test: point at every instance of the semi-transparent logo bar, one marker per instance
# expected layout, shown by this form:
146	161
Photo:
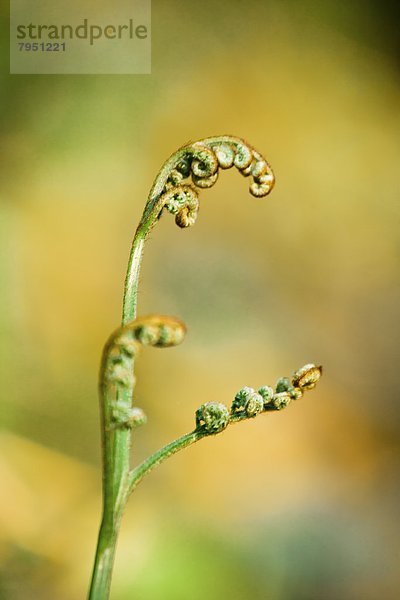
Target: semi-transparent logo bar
80	36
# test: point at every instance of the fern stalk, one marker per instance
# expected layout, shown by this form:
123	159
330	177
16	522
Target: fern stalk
193	167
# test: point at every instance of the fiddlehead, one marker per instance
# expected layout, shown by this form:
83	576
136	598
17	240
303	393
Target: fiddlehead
201	161
116	376
247	402
212	417
176	190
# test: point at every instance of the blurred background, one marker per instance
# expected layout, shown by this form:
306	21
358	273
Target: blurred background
298	505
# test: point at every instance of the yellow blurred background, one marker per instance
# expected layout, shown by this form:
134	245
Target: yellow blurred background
300	505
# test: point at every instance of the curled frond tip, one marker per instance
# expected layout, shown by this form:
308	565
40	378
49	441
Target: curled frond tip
154	330
214	417
196	166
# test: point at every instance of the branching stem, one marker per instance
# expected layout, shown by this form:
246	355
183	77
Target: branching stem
202	160
173	192
161	455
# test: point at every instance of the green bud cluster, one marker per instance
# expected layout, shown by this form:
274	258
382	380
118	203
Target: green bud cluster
214	417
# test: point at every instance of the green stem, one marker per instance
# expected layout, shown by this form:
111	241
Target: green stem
118	481
105	554
116	444
150	463
132	277
137	474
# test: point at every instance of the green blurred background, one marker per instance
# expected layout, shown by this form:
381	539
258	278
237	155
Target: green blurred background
301	505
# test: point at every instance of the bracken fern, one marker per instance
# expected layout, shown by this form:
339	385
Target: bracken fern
193	167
